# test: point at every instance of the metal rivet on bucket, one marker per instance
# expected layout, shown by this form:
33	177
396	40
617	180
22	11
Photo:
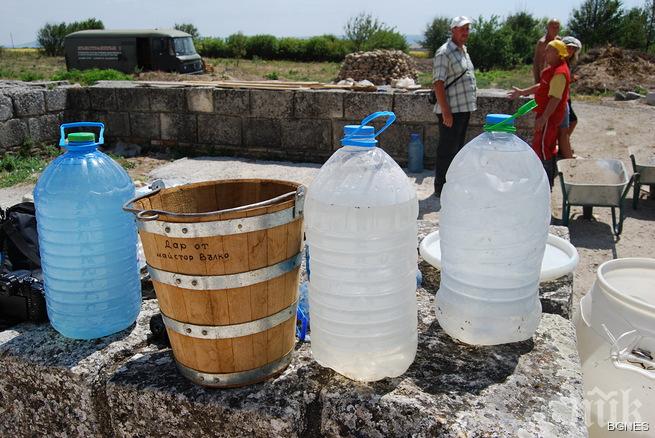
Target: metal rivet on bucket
178	281
194	282
167	229
185	230
188	330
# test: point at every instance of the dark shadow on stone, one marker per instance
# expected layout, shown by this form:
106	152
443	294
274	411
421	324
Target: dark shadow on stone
446	366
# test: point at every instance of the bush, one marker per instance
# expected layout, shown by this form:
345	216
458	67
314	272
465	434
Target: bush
236	45
262	46
326	48
293	49
386	39
90	77
212	47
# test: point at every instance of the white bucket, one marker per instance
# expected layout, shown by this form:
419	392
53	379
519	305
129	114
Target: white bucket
616	340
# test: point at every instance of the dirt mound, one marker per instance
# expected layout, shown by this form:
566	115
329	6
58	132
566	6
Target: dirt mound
613	68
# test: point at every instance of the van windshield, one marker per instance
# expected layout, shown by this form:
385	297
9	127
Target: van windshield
184	46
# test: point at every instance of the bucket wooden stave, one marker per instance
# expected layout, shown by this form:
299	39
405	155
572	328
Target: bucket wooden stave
226	282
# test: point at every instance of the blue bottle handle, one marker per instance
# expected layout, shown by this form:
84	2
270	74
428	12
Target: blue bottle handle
391	118
64	126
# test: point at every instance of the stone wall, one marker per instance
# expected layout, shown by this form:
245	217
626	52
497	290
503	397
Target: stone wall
299	125
30	113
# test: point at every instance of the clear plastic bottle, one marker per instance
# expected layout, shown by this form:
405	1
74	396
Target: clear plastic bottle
87	242
493	225
360	218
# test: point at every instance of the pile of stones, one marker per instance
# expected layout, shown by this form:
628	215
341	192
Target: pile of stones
379	66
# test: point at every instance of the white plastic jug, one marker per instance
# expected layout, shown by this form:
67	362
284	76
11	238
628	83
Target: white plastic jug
360	219
495	212
616	342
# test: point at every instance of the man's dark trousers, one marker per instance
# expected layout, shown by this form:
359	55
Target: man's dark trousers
451	140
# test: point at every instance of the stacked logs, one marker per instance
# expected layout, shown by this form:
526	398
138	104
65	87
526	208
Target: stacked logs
378	66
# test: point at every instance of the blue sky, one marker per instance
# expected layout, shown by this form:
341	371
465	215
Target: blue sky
23	18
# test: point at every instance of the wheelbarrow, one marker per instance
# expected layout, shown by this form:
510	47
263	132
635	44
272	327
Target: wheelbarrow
594	183
645	175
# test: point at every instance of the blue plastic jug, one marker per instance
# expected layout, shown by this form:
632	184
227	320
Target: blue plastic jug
87	242
415	154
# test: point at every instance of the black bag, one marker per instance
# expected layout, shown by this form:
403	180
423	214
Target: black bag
18	237
21	287
432	97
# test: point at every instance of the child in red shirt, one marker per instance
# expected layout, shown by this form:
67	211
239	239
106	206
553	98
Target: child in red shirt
551	94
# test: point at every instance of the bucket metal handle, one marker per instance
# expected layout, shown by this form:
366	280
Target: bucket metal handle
626	354
151	214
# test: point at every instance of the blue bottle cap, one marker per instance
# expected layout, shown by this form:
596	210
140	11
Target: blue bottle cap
493	119
365	137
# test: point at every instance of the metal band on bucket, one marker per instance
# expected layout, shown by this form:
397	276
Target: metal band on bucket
238	378
221	228
230	281
231	331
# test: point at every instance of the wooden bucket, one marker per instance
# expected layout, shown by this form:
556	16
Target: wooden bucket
224	257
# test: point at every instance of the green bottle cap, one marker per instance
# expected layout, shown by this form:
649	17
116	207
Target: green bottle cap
81	137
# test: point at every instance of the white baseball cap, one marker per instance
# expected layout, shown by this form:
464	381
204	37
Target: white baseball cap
460	21
572	41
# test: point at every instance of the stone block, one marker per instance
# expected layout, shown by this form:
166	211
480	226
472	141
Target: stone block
411	107
358	105
306	135
77	99
116	124
44	128
319	104
430	141
232	102
261	133
13	132
179	127
55	99
28	102
530	388
650	98
102	98
54	386
145	125
492	101
168	99
6	108
200	100
133	99
220	130
273	104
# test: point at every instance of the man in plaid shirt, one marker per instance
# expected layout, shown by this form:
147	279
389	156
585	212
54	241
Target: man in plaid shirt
453	79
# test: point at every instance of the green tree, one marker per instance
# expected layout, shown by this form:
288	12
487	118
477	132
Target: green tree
649	7
489	45
524	30
51	36
236	45
188	28
386	39
596	22
634	29
361	28
89	23
435	34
